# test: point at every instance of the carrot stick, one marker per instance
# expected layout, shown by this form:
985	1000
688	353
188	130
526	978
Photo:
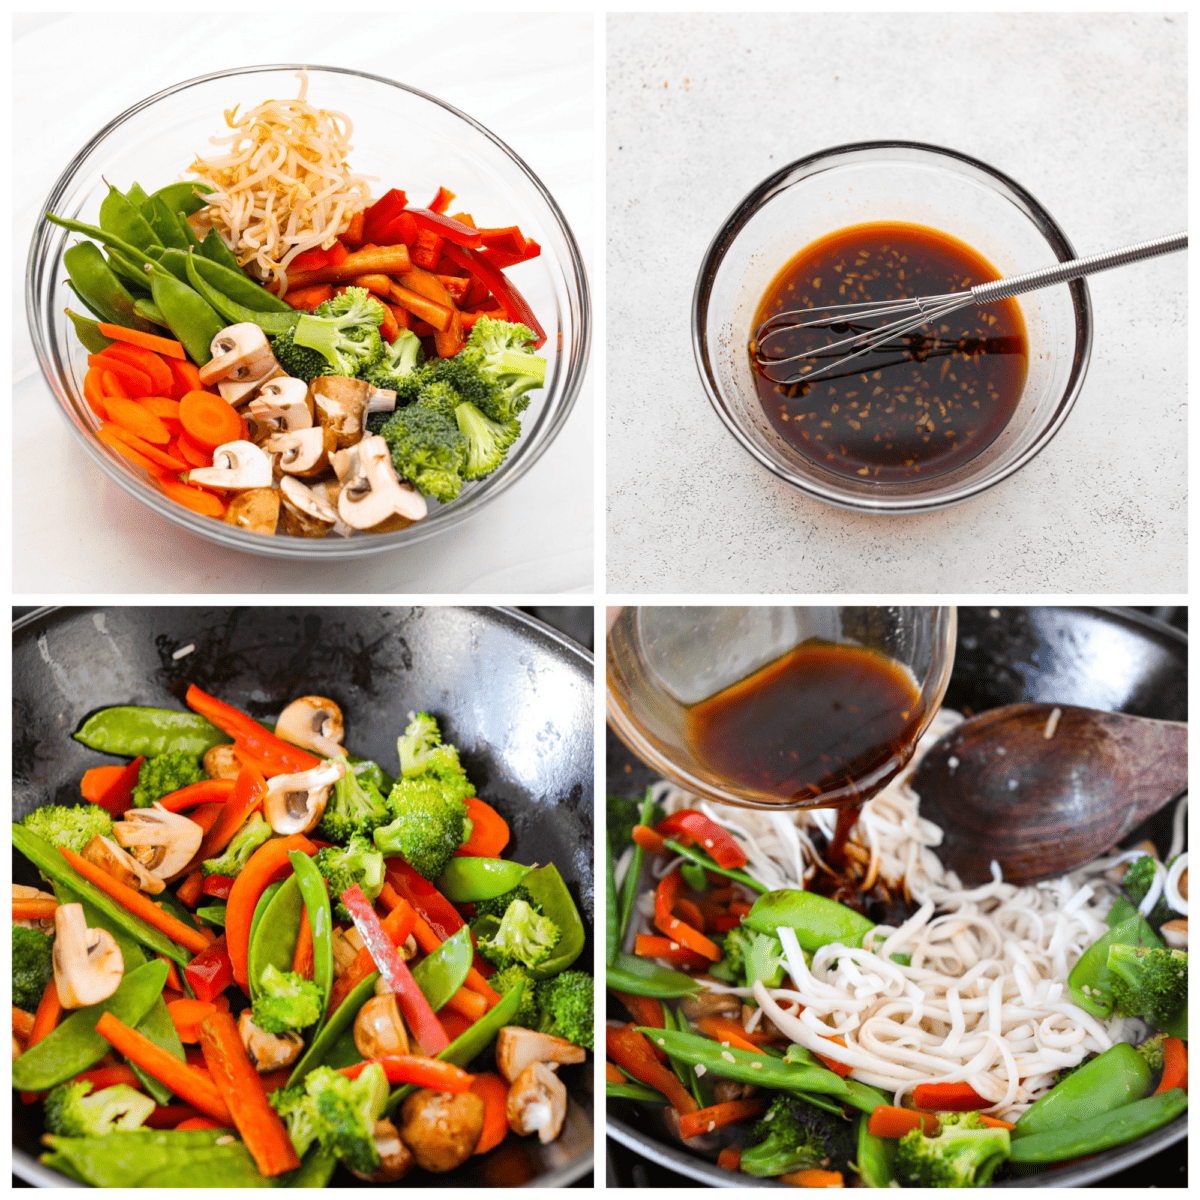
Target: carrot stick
144	360
469	1003
613	1074
173	980
721	1031
489	831
190	496
1175	1065
677	930
382	260
647	945
730	1159
844	1069
107	434
891	1122
185	1081
380	285
438	315
248	793
209	420
643	1009
705	1120
995	1122
136	381
139	905
147	341
308	298
112	385
22	1023
813	1177
948	1097
493	1091
236	1079
200	1123
648	839
34	910
186	1016
302	957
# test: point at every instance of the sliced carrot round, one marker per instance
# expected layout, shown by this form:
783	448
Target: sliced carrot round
153	453
129	414
209	420
194	455
206	503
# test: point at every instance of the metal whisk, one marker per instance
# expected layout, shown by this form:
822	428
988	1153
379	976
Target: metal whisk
922	310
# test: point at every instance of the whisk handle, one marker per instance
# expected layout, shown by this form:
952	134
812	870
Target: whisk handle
1075	268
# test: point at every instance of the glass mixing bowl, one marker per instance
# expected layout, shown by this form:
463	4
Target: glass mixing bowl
890	181
155	141
660	661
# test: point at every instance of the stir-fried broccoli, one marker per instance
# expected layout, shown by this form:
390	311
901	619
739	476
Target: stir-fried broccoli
567	1005
1149	983
428	450
70	827
399	361
339	1113
500	349
421	748
285	1001
70	1111
795	1136
32	966
430	822
497	906
965	1153
343	866
1137	882
528	1014
345	330
356	805
166	773
623	814
237	854
1151	1050
750	957
521	936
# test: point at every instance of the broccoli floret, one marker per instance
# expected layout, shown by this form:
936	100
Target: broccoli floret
69	1111
1148	983
422	750
355	806
497	906
487	442
298	361
449	382
427	449
499	349
503	982
237	854
345	330
358	862
623	814
285	1001
32	966
399	361
567	1002
165	773
1151	1050
751	956
70	827
1137	881
523	936
795	1136
338	1112
430	824
965	1153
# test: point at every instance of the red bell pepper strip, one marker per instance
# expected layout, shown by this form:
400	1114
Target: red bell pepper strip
427	249
218	885
516	307
439	914
717	841
503	260
381	214
263	749
211	971
677	930
441	201
414	1008
118	796
248	792
447	227
947	1097
509	239
206	791
424	1072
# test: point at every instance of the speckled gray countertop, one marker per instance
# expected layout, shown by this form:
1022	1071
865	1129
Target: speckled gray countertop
1086	111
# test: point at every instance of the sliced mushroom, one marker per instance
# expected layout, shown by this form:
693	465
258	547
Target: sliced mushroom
395	1158
295	803
268	1051
537	1103
21	891
222	762
237	466
372	497
304	452
440	1129
313	723
329	490
730	1089
517	1048
340	404
256	510
380	400
379	1028
1174	933
281	406
302	513
710	1004
123	867
163	842
238	392
87	962
239	352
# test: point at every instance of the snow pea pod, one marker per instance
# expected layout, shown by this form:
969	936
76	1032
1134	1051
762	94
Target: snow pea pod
316	1170
1118	1076
612	916
337	1024
1090	980
642	977
214	249
817	920
469	878
634	1091
174	260
145	308
160	1029
864	1097
75	1045
231	1168
629	885
136	195
190	317
708	863
133	731
239	287
88	333
731	1063
875	1156
120	219
111	240
273	938
165	224
440	974
1102	1132
235	312
213	913
547	888
320	921
123	1160
343	1052
186	196
684	1072
130	273
94	282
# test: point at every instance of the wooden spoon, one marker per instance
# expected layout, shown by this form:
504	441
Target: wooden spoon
1041	806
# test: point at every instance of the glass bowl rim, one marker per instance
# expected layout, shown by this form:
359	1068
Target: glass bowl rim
746	208
279	546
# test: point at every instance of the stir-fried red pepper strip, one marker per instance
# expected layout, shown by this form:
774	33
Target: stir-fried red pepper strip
271	755
672	926
634	1054
217	885
516	307
432	907
215	791
211	971
414	1008
117	798
717	841
424	1072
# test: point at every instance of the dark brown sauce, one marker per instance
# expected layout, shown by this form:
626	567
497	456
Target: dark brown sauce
818	719
927	402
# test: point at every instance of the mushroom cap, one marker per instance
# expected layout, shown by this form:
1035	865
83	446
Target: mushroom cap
303	513
1175	933
441	1130
239	352
379	1029
395	1158
537	1103
296	803
281	405
87	962
372	497
340	404
172	836
256	510
236	392
516	1048
236	465
303	452
268	1051
121	865
710	1004
221	762
313	723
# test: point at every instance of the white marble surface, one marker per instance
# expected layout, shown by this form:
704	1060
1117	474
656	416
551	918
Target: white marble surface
528	77
1086	111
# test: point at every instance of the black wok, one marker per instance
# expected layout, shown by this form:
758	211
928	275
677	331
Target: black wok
1111	659
514	696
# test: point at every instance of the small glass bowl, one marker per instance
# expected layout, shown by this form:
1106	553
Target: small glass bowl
660	661
889	181
154	142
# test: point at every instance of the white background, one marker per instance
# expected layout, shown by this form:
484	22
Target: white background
527	77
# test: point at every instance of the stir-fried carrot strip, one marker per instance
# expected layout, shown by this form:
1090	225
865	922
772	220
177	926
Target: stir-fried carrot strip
813	1177
705	1120
471	1004
891	1122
